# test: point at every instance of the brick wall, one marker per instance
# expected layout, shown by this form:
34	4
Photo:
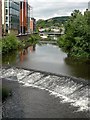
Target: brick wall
31	25
0	18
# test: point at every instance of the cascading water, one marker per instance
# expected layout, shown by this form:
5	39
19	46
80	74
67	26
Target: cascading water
68	89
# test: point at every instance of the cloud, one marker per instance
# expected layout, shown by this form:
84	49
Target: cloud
43	9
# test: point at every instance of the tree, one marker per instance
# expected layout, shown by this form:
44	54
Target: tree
76	41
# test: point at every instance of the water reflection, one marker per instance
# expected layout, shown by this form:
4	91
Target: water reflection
15	56
23	54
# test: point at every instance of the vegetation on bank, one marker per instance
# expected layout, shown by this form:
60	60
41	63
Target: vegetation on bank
34	39
11	43
76	40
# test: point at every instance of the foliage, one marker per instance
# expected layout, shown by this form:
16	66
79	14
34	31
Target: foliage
76	41
9	43
21	44
33	39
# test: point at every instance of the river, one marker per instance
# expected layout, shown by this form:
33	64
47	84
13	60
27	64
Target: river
49	58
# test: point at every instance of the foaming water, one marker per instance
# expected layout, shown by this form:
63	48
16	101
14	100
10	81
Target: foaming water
69	90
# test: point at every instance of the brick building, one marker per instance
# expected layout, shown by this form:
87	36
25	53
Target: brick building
24	17
0	18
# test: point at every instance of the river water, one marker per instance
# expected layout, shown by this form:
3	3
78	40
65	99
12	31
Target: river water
49	58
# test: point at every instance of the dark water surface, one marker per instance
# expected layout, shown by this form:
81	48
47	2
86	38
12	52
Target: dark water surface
49	58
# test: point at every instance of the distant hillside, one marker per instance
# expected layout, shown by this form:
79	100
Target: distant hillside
56	21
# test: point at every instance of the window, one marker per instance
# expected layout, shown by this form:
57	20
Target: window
6	11
6	19
6	26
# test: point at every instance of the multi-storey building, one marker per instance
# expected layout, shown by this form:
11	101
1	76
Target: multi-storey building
24	17
3	18
12	16
0	19
16	16
32	25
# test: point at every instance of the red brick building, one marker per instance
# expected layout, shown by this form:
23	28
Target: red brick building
24	16
0	18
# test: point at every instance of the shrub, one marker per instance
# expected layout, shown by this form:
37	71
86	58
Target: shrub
34	39
9	43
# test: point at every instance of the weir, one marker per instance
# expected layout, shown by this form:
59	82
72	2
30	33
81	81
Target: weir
67	89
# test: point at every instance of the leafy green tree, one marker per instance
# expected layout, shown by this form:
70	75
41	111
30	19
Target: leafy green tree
76	41
33	39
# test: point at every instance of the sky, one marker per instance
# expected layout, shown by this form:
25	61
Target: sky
45	9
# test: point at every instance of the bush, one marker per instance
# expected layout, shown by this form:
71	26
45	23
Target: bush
21	44
9	43
34	39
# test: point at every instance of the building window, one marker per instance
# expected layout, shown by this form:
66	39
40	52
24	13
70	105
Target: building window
6	27
6	11
6	19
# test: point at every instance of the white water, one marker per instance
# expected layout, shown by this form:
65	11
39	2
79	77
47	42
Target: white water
64	88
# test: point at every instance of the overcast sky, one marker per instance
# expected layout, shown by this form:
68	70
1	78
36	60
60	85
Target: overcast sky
44	9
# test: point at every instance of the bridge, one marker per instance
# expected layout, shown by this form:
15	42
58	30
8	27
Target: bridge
43	35
51	33
48	42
